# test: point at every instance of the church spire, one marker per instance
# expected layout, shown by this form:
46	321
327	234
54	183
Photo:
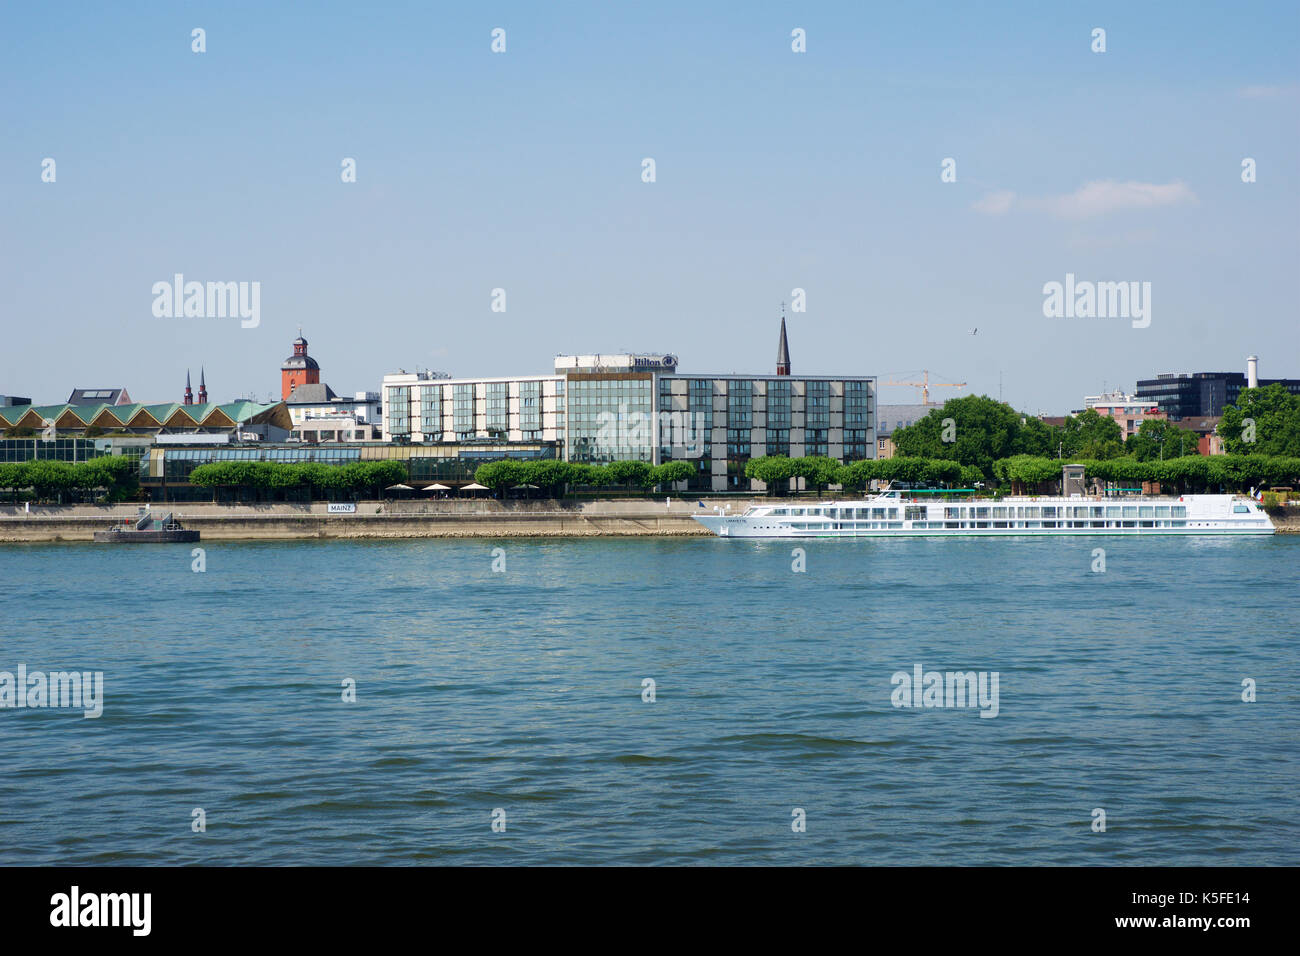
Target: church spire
783	349
203	388
189	395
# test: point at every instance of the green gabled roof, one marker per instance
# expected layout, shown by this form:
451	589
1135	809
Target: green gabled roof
10	414
161	412
238	412
243	411
199	410
123	413
40	411
83	413
49	411
182	411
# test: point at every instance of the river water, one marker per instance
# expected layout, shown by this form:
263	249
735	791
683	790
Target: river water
504	716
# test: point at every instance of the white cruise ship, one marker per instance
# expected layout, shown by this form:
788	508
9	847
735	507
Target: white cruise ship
895	514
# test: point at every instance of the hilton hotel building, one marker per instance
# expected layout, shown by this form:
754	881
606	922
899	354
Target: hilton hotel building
603	408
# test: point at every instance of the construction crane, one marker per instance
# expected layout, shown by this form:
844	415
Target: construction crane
925	385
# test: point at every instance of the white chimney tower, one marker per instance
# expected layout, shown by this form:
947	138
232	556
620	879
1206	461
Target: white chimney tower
1252	371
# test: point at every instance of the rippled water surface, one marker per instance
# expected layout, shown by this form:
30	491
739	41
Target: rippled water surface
522	690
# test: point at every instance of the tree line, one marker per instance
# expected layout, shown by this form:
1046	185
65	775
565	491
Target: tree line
353	478
116	474
978	430
1029	473
553	476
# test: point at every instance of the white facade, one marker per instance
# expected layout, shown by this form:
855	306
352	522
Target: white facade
420	408
359	418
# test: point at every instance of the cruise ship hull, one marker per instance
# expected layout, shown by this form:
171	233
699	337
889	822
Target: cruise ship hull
893	515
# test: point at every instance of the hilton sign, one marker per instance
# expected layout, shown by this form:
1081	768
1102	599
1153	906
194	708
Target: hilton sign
654	361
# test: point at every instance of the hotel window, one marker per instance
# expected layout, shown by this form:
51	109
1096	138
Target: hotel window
497	407
778	441
778	407
399	411
700	404
818	406
740	405
855	444
665	395
462	407
530	406
431	412
738	444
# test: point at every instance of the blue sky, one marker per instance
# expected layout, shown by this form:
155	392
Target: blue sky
522	170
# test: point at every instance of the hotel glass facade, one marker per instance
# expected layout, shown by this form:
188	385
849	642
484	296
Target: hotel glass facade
603	408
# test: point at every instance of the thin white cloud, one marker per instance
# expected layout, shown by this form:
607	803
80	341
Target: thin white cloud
1263	92
1106	196
1089	200
997	203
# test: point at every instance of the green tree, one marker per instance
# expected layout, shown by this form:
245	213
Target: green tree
1274	414
855	476
972	430
672	471
1027	473
1036	438
1091	435
549	475
816	470
1157	439
773	470
635	474
500	475
50	478
378	475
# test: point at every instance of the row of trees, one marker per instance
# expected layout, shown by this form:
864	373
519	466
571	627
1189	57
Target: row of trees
554	476
1185	474
354	478
116	475
818	472
1193	474
977	430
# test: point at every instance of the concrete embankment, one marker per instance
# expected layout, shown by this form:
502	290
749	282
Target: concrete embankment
424	519
1286	523
440	519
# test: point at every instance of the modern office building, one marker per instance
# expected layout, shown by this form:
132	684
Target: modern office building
633	406
1189	394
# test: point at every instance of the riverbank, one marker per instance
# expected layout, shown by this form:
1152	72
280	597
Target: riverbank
414	519
484	518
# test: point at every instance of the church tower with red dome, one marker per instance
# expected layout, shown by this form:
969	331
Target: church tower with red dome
298	369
